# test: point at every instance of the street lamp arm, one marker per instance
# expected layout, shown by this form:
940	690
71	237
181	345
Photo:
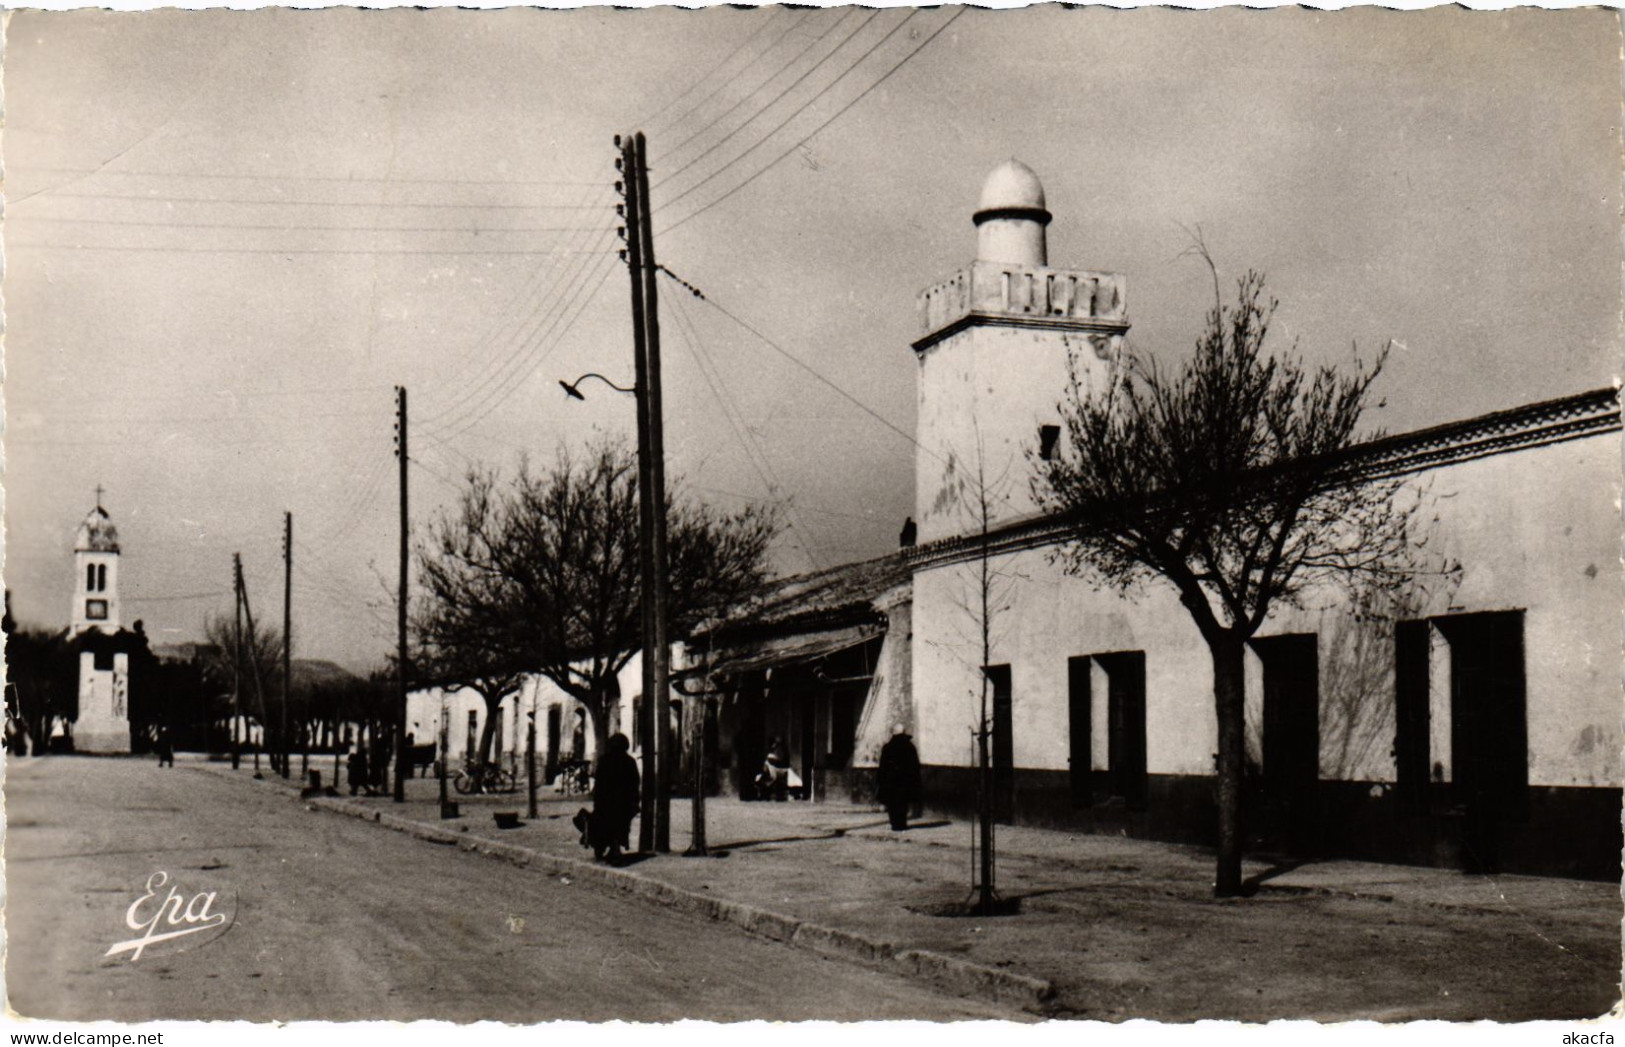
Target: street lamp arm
574	388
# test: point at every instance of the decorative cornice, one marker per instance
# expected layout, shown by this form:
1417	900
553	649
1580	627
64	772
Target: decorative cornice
1501	432
1040	322
1031	214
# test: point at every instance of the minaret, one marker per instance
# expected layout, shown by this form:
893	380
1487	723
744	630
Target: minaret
994	344
103	723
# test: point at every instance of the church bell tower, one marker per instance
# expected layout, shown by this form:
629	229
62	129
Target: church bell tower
103	723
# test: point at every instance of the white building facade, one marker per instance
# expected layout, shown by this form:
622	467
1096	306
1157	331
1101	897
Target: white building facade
1478	719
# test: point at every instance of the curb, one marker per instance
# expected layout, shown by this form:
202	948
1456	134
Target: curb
949	972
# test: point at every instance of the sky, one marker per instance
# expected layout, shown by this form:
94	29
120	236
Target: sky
230	235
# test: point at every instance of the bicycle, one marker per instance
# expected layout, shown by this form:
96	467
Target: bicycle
485	778
575	778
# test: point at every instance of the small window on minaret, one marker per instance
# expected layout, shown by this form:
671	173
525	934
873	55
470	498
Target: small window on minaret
101	577
1048	437
90	577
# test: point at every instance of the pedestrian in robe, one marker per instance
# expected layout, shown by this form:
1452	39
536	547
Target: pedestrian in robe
898	779
614	799
358	769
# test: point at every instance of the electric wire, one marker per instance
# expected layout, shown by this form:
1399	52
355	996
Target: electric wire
752	92
870	17
557	291
754	453
654	121
809	135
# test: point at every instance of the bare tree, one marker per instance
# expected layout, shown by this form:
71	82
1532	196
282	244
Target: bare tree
42	679
985	594
261	653
1231	478
540	574
468	629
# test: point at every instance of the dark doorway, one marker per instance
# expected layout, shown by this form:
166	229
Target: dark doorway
1411	715
1125	725
1291	743
1001	745
1080	720
1489	743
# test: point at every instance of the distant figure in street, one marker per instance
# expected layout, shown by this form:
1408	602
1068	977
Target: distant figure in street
164	747
776	771
614	799
357	765
899	777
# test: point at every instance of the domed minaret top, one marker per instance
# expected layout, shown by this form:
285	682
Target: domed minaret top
96	534
1011	216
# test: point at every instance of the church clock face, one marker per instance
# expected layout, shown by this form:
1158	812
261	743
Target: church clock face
96	610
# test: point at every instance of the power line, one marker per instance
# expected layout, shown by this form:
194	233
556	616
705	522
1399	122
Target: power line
655	119
776	98
753	450
777	348
511	371
164	249
567	291
390	180
518	379
769	79
561	287
296	227
441	205
171	599
807	137
527	288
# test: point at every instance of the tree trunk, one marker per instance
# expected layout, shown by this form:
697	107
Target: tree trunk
1227	651
598	707
493	709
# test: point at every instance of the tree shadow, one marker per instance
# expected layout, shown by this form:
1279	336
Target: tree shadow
1251	884
833	834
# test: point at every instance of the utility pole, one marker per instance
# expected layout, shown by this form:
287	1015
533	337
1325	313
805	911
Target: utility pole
237	664
403	766
530	760
660	640
253	657
440	764
629	186
287	635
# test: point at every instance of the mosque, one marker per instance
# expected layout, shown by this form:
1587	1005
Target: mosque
1492	701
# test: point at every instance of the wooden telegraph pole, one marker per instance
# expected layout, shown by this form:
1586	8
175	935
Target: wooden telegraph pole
253	656
403	759
237	664
660	640
629	187
284	745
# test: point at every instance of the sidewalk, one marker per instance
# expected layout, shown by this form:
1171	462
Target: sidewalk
1120	928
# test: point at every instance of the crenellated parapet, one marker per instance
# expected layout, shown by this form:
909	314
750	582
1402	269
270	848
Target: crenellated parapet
1001	293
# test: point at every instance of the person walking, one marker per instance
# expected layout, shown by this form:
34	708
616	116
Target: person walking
898	780
357	765
615	790
164	748
776	772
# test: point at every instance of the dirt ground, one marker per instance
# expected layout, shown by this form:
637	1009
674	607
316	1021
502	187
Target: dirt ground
1129	929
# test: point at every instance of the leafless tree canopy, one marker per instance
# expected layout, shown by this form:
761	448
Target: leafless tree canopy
1232	478
1229	476
541	574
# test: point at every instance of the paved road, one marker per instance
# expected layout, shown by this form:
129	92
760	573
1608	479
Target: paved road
336	919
